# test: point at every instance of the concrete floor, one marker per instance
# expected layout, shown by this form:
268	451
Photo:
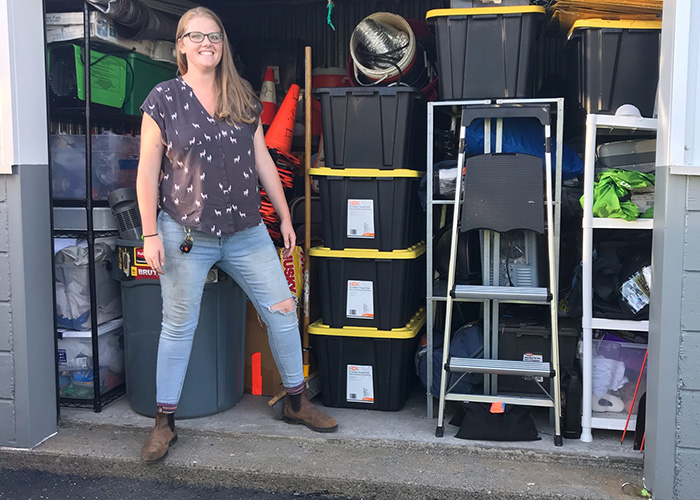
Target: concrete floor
411	424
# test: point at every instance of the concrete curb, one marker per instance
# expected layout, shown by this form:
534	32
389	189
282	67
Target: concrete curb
339	467
463	449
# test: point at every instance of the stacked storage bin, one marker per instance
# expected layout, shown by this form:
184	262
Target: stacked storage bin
611	63
487	52
371	267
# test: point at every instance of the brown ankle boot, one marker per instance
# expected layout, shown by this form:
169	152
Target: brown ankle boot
307	414
162	436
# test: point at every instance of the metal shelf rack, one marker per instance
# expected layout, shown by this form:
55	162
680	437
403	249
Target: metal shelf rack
88	219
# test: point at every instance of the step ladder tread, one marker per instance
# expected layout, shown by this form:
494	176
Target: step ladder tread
500	367
533	400
503	293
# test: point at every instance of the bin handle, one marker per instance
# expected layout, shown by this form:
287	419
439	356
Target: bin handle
526	110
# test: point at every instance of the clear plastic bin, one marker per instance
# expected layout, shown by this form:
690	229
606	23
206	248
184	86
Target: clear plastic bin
616	368
75	360
73	287
114	162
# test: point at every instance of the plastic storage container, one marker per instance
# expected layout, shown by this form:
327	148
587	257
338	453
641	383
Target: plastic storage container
71	279
143	73
67	76
365	367
75	365
114	164
635	154
533	343
611	63
370	208
487	52
616	368
377	127
369	288
68	26
214	380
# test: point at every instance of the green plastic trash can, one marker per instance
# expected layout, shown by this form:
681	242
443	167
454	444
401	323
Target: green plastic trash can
214	379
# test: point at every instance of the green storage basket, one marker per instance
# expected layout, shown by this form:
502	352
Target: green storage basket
143	73
67	75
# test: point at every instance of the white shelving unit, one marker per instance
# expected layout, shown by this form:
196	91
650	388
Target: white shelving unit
594	124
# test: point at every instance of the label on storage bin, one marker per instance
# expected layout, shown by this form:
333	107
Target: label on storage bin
360	303
529	356
133	264
361	219
360	384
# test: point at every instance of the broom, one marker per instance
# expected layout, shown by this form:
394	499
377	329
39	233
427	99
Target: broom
313	383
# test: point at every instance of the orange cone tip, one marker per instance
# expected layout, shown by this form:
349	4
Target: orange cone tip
268	97
281	132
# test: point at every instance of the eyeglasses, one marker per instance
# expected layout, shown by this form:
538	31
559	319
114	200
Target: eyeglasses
198	36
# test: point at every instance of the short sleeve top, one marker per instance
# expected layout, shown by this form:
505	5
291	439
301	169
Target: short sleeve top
209	181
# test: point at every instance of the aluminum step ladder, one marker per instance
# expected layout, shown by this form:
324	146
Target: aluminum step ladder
502	192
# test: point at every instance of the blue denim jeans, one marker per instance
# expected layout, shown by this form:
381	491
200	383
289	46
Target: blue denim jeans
250	258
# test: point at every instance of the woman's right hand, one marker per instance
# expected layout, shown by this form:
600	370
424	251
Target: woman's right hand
154	253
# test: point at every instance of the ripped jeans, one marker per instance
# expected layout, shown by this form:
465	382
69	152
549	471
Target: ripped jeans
250	258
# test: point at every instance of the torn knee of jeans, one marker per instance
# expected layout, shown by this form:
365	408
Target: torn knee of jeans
287	306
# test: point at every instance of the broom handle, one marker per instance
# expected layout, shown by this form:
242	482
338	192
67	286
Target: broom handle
634	398
307	206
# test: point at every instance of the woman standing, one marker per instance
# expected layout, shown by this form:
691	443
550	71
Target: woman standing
202	154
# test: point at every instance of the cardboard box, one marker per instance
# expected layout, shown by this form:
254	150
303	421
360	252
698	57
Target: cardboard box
68	26
261	375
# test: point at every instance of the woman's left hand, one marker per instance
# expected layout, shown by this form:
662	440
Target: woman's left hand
289	238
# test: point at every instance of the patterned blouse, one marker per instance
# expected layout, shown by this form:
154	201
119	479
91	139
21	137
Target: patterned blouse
209	182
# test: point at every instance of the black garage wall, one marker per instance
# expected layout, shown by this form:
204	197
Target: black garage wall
307	21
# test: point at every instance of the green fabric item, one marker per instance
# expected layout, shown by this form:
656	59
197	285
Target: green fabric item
611	193
648	214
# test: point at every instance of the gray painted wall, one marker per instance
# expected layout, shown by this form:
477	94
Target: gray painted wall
7	383
27	335
672	457
31	278
688	431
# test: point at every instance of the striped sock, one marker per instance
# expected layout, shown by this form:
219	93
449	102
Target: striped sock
167	407
297	389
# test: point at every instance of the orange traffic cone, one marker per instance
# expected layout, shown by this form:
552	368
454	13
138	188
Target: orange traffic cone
281	131
268	98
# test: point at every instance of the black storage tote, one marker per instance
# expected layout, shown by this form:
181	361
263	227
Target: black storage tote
373	127
611	63
487	52
365	367
369	288
370	208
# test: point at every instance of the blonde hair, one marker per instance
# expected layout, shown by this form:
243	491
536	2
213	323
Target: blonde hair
235	102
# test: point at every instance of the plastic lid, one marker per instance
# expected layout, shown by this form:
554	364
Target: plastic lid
407	332
364	253
364	172
106	327
368	91
614	24
485	11
129	243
